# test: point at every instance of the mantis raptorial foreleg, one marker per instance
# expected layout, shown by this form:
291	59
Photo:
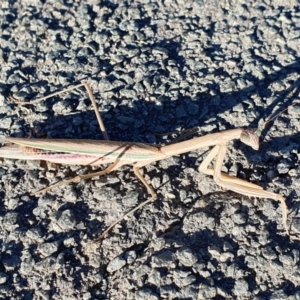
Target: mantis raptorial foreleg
209	171
236	184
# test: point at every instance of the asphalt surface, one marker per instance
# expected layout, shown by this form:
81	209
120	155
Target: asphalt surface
154	67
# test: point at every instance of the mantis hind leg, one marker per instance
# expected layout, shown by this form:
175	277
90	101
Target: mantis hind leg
91	96
78	178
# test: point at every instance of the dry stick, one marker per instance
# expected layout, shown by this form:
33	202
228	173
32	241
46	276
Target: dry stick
120	153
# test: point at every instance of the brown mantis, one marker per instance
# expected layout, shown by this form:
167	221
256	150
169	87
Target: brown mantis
92	152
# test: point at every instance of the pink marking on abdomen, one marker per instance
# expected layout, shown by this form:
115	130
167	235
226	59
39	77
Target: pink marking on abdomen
63	158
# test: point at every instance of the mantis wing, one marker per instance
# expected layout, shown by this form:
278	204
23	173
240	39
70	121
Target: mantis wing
128	151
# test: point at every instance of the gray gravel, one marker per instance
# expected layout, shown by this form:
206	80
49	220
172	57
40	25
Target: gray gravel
155	66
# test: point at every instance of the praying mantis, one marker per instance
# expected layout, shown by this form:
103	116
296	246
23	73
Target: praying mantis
117	154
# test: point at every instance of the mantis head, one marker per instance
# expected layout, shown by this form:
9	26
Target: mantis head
251	138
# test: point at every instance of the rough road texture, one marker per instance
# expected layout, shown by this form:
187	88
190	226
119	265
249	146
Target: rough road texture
155	66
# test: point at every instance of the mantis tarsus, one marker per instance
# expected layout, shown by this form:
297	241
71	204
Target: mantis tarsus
92	152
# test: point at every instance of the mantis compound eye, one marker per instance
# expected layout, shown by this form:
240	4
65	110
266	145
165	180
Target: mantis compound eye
250	138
